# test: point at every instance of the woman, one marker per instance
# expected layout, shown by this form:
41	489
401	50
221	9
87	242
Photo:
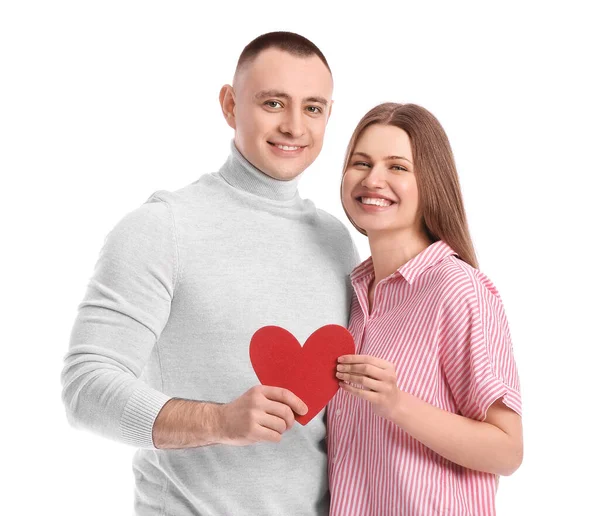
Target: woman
429	411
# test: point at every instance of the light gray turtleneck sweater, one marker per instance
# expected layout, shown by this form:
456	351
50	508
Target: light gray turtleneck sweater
180	286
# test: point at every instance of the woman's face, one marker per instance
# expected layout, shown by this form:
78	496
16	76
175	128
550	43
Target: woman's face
379	189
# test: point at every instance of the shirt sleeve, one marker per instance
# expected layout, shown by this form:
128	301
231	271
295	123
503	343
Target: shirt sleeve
123	312
476	351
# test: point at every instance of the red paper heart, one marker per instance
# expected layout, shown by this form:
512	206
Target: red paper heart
308	371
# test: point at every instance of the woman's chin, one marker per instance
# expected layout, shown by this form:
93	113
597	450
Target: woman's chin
371	228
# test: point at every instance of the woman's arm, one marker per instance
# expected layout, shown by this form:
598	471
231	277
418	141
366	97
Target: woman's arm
493	446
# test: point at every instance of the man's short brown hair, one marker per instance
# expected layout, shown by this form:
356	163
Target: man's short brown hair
287	41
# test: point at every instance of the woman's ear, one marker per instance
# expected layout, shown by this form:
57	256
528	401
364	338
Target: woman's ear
227	101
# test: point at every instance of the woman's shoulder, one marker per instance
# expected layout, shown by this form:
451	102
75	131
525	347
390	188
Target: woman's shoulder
460	277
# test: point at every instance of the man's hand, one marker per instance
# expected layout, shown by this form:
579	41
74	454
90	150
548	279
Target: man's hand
260	414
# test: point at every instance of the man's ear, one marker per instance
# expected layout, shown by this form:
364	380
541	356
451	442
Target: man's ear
227	101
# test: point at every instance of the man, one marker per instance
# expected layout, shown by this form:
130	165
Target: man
159	356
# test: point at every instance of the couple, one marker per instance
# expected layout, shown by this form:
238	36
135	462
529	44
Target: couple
428	414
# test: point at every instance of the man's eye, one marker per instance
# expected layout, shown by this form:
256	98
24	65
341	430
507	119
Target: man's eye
314	109
273	104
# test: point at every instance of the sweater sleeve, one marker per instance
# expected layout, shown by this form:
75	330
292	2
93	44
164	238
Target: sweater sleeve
476	352
124	310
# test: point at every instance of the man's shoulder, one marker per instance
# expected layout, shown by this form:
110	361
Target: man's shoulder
189	194
338	236
161	209
331	223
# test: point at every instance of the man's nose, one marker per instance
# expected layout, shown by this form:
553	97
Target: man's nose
293	124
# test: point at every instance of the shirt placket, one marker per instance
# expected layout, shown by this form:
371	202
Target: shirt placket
348	402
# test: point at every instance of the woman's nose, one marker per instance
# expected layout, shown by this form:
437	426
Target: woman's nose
375	178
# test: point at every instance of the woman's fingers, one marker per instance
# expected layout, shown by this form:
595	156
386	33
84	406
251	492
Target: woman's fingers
360	393
366	382
365	359
363	369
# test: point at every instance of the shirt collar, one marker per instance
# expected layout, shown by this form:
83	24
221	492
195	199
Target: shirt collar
241	174
412	269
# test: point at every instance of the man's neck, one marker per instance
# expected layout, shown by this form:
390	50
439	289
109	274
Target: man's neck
241	174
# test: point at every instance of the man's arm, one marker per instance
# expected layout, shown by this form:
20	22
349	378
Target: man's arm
124	310
260	414
126	307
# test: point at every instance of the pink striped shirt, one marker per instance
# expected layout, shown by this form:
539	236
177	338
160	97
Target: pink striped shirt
442	323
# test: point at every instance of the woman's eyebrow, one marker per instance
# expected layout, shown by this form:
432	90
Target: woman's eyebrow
364	154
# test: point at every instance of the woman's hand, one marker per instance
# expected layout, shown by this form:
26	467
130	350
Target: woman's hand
377	378
493	446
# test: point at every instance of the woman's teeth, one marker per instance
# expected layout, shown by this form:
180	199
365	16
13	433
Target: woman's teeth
375	201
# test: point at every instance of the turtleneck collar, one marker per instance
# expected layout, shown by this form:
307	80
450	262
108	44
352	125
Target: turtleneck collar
241	174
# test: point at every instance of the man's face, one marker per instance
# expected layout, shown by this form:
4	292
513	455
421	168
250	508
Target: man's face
281	104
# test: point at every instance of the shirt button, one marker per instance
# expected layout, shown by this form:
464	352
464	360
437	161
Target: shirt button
338	412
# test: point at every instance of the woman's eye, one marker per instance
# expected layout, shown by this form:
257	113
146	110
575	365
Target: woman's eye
361	164
398	167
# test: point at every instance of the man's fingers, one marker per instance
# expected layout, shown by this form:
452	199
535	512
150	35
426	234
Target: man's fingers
282	411
288	397
274	423
267	434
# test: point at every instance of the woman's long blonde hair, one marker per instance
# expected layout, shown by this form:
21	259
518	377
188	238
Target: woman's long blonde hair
440	199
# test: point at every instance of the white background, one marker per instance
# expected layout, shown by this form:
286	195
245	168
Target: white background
102	103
